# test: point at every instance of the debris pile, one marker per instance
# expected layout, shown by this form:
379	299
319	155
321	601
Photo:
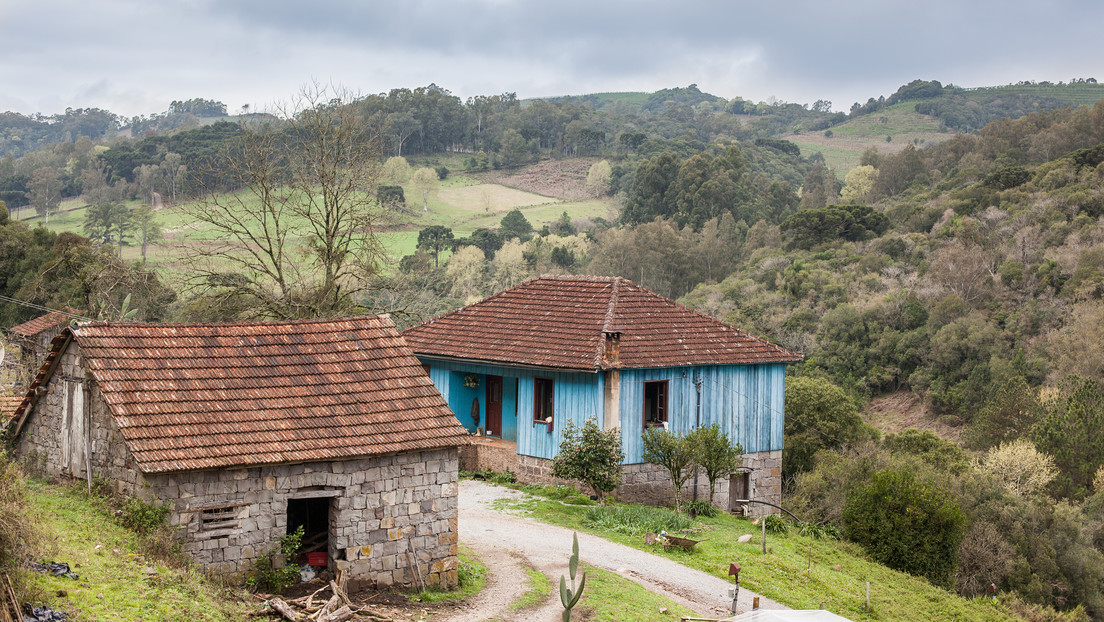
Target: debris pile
58	569
42	614
316	608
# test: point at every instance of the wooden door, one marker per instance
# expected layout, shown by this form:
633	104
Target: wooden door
494	406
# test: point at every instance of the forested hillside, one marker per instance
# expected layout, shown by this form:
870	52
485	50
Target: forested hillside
966	271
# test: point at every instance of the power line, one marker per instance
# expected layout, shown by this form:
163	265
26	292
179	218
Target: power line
39	307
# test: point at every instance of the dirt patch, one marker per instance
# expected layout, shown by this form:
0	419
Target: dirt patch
902	410
491	198
564	179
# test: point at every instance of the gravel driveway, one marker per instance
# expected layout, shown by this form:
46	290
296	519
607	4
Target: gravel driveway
509	544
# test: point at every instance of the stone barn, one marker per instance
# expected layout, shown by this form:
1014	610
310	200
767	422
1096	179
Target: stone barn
251	430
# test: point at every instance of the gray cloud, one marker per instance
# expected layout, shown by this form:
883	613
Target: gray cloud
135	57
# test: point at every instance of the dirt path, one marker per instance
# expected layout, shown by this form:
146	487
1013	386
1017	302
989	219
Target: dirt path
509	544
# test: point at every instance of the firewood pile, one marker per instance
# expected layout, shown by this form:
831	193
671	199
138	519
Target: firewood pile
316	607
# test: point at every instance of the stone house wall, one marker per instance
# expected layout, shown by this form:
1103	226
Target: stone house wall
380	507
650	484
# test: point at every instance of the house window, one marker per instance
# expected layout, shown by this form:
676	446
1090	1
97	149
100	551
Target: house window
655	404
542	400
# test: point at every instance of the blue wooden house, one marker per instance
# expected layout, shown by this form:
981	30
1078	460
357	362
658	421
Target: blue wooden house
520	364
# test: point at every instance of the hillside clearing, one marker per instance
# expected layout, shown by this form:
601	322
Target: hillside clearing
117	582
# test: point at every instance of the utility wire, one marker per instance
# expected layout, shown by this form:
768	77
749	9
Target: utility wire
41	307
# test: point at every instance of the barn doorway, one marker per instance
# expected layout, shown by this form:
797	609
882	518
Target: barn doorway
739	491
313	515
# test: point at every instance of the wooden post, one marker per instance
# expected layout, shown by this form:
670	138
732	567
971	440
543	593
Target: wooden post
763	522
868	595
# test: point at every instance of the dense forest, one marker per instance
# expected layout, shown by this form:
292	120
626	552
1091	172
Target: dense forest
968	274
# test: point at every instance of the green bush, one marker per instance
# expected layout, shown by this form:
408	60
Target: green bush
15	528
268	574
775	523
700	507
906	524
592	456
635	520
141	516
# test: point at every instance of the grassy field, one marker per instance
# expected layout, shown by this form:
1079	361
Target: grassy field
1074	94
843	148
116	581
798	571
462	202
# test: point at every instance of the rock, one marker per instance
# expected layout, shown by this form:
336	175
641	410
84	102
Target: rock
62	593
745	538
100	596
837	567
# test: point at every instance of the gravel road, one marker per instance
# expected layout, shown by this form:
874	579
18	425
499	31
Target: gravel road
508	544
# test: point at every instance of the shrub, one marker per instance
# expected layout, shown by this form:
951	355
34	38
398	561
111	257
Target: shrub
906	524
635	520
775	523
15	529
271	572
700	507
591	456
142	516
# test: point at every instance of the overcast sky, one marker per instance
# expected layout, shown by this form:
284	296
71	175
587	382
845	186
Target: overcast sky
135	56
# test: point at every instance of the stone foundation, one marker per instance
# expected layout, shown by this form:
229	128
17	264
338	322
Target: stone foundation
650	484
497	456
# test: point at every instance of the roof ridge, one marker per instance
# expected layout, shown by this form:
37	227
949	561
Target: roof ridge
384	317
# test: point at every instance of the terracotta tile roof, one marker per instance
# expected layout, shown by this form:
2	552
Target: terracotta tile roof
562	321
51	320
8	405
197	396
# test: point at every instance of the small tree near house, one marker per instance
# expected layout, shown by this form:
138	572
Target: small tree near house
591	456
672	452
714	453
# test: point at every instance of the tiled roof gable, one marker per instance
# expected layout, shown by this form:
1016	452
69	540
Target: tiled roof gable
196	396
565	321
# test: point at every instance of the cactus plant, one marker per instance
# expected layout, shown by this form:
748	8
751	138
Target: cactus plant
570	597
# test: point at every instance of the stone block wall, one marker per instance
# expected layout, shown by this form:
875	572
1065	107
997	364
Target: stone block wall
70	429
650	484
478	455
380	508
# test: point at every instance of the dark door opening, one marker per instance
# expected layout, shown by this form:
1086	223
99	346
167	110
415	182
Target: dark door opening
494	406
739	489
314	516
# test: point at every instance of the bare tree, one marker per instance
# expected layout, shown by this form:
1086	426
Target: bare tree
292	211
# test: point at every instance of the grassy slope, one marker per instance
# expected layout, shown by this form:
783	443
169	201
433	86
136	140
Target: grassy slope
1073	94
463	203
901	122
609	596
115	582
798	571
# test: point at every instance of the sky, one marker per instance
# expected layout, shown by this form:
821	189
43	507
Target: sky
134	57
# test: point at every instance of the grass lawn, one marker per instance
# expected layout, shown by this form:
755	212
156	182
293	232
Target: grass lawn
608	596
116	581
797	571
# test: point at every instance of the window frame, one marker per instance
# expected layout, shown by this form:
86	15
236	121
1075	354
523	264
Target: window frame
663	410
549	389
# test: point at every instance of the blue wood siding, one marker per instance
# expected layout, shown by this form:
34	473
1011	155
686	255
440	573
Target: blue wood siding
745	400
576	397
